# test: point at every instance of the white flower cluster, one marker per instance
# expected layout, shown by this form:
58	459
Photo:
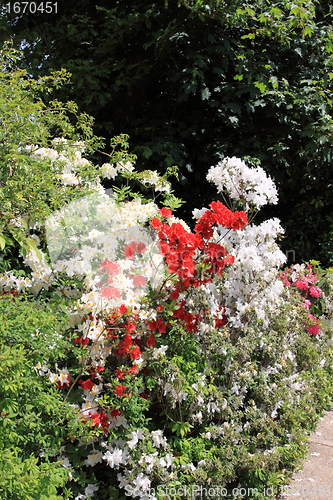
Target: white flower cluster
64	157
109	171
134	477
93	234
135	212
78	241
41	276
150	178
88	492
138	487
252	186
117	453
9	281
60	376
252	283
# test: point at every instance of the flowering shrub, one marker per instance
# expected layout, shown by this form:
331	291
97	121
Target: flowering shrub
304	279
190	364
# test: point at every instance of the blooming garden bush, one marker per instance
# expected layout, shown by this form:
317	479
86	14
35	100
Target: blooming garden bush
185	365
141	357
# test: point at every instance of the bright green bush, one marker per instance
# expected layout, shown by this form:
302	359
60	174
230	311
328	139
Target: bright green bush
34	419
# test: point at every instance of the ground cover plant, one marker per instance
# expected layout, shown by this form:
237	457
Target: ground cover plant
141	357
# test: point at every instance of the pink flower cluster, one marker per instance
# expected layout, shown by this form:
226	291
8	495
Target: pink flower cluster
304	279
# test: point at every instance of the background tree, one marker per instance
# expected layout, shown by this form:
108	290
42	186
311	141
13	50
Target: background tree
30	190
193	81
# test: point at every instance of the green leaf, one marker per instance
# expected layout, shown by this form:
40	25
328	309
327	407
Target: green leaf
2	242
31	244
250	36
307	31
261	86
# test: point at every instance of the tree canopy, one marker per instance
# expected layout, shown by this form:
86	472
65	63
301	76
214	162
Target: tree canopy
194	81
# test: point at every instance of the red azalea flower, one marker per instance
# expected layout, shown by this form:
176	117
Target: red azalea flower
156	223
313	328
150	342
164	247
123	347
134	369
174	295
165	212
157	325
110	334
87	385
230	259
134	248
128	252
302	285
120	390
222	213
135	353
216	256
220	322
61	385
130	327
115	413
97	369
82	341
205	224
100	419
189	319
123	309
120	374
127	340
112	318
140	248
239	220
